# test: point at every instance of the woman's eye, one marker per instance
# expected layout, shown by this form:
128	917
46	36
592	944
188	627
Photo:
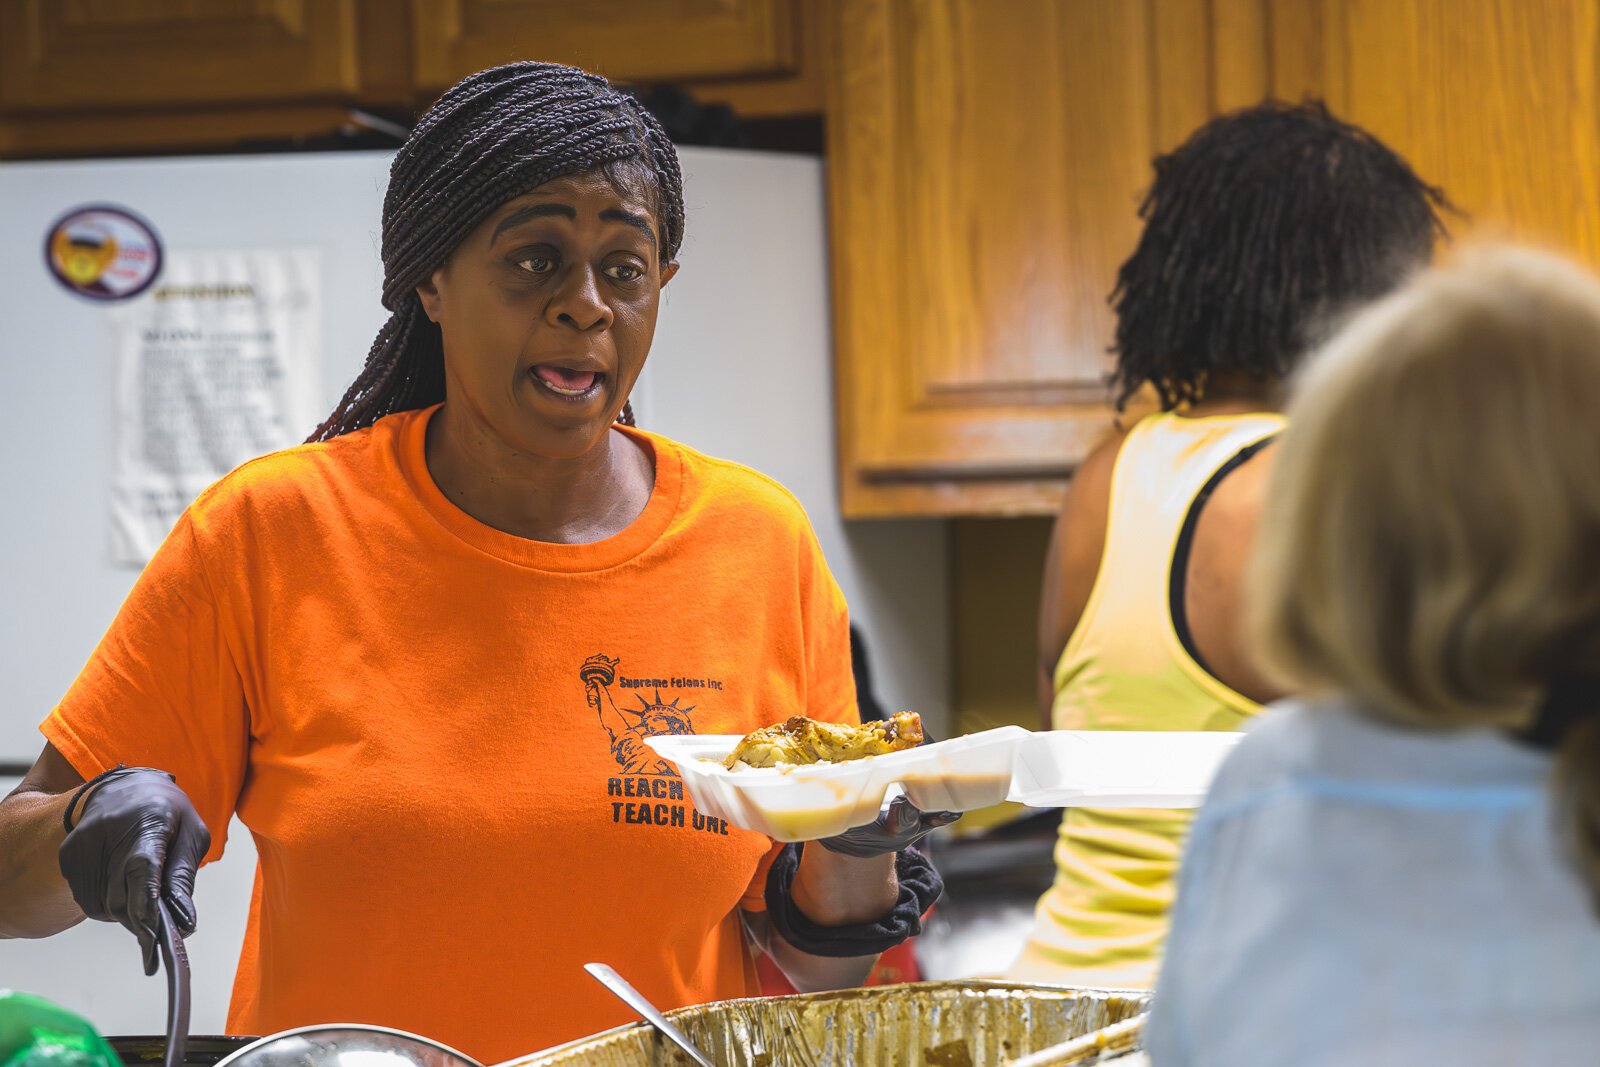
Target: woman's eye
537	264
625	272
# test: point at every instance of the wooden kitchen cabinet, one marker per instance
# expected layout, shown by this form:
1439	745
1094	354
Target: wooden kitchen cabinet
761	57
99	77
112	76
986	161
1497	101
985	165
625	40
71	55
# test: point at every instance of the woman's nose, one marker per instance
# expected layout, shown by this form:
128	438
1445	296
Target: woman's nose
578	304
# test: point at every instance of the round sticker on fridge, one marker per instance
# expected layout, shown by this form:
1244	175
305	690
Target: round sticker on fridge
103	252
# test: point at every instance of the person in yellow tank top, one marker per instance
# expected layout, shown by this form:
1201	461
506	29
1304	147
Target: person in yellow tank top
1261	228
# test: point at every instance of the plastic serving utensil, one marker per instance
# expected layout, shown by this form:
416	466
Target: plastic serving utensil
635	1000
175	959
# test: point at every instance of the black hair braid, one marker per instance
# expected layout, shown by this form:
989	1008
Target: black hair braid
1258	228
492	137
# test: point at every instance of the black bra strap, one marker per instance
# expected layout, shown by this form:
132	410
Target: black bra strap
1179	574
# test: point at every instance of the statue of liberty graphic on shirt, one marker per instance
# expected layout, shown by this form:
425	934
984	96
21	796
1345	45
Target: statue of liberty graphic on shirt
628	727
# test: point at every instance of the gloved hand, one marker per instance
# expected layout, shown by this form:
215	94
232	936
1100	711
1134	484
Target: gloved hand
137	840
899	826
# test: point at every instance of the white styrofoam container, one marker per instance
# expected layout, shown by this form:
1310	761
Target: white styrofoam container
1118	768
803	803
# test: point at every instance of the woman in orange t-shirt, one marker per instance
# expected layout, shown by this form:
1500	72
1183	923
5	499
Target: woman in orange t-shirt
419	655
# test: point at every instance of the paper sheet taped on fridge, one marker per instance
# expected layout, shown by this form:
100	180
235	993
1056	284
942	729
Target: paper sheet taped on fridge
1118	768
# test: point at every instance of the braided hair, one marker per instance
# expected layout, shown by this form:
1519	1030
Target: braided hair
494	136
1258	228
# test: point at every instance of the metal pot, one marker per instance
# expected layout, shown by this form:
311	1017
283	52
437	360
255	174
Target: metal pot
347	1045
323	1045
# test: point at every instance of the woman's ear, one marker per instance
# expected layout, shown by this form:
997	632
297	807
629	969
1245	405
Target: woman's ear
428	293
667	272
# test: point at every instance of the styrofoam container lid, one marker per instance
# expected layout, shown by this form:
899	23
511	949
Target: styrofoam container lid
806	802
1118	768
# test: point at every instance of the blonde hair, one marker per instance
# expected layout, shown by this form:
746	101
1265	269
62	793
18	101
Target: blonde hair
1431	543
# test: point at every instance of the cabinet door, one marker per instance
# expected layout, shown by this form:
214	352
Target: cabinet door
986	162
104	55
1497	101
626	40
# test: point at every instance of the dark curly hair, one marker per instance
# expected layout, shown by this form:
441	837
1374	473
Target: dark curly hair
1258	228
494	136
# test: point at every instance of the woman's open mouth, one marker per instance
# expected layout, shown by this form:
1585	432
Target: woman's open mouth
567	383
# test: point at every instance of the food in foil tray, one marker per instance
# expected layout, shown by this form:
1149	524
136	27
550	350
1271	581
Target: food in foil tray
800	741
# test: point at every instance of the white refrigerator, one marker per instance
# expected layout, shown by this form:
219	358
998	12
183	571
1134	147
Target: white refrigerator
740	368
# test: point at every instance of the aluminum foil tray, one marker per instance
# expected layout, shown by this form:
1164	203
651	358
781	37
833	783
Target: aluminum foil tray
927	1024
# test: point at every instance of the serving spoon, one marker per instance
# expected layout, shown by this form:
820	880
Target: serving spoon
635	1000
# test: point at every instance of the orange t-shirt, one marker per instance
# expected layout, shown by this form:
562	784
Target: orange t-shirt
433	731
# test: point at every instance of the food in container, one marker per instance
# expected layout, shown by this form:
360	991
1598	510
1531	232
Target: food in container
799	740
805	802
1118	768
943	1024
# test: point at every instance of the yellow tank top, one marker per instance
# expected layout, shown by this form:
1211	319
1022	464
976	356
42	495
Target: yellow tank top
1125	668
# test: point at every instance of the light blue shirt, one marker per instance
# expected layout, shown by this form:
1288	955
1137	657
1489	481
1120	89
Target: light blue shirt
1353	892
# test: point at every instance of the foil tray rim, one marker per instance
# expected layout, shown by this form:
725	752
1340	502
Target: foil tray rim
977	985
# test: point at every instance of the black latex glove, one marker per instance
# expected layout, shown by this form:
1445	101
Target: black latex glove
137	840
899	826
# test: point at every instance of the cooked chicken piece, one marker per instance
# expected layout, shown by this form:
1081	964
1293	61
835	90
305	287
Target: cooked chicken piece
803	740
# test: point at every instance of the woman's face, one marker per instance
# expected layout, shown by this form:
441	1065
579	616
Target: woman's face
547	311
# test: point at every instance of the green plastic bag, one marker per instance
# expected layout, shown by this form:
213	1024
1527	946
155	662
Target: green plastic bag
37	1033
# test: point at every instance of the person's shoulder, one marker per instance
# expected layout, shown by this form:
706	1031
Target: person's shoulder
1087	501
297	479
1093	475
716	487
1240	497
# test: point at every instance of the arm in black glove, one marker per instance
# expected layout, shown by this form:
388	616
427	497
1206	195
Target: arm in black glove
134	839
832	909
851	878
